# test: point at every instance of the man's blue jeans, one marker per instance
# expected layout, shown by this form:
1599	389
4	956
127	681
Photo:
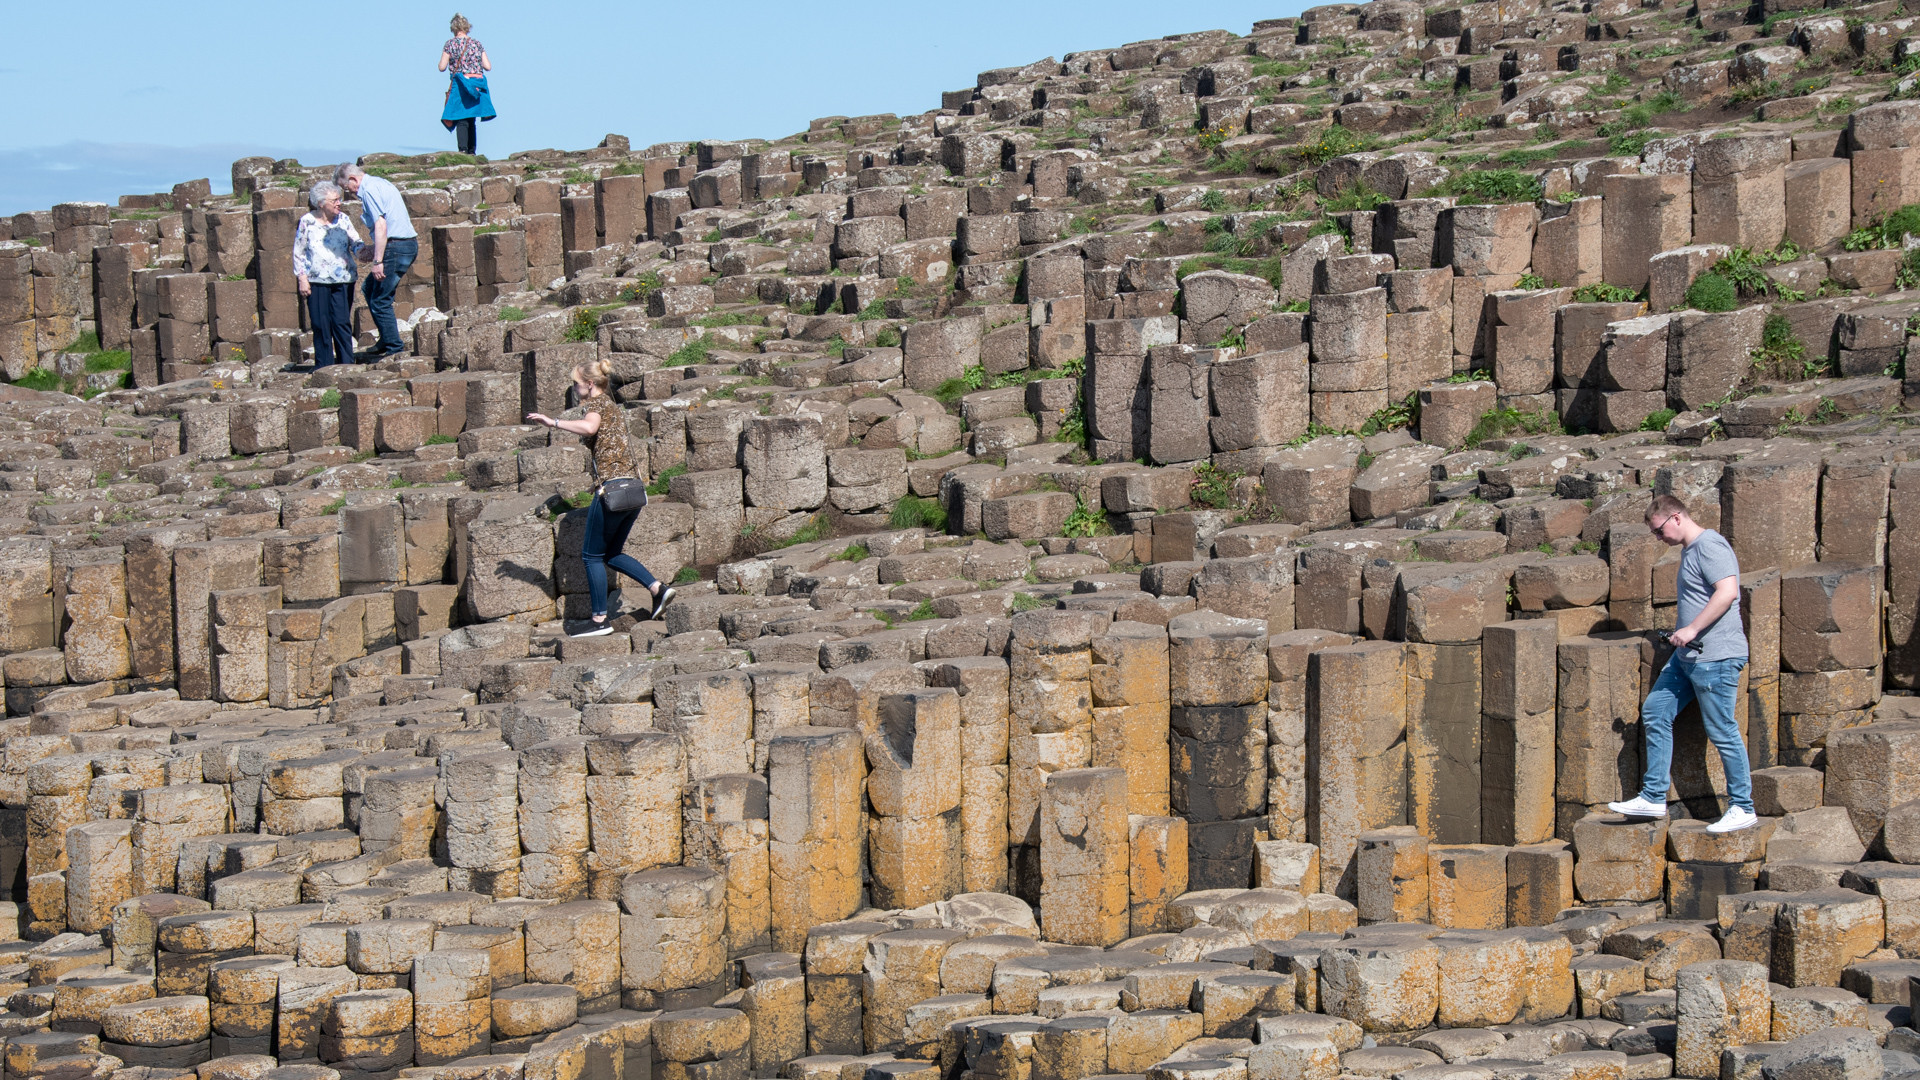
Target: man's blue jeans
1714	683
398	260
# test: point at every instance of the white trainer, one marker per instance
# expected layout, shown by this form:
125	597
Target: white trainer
1639	807
1737	818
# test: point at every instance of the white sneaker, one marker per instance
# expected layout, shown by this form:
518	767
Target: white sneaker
1639	807
1735	820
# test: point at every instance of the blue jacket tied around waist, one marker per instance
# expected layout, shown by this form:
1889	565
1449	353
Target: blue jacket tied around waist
467	99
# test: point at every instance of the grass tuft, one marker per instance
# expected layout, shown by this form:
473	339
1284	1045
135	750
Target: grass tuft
1886	232
1490	186
1399	414
1334	142
1712	291
1085	521
584	324
1603	293
1501	422
693	352
1781	355
664	478
913	511
1212	487
730	318
819	528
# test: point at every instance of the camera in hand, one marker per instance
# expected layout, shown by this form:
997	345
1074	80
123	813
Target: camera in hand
1693	645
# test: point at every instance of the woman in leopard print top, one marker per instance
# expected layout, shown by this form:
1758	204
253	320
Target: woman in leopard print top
604	425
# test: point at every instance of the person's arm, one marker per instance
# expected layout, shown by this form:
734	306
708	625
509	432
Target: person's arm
380	248
1726	593
586	425
301	260
485	64
444	60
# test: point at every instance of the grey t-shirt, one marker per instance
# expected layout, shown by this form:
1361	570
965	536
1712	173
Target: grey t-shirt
1703	562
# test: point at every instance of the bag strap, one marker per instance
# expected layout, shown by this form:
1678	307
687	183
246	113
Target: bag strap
594	465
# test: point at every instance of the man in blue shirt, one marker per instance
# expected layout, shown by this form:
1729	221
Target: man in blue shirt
1709	649
394	245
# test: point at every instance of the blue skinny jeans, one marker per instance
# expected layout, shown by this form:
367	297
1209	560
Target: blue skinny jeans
1714	683
604	546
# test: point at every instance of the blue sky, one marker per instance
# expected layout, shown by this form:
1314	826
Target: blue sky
177	92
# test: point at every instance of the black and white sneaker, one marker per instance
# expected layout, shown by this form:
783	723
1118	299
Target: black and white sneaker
660	602
589	628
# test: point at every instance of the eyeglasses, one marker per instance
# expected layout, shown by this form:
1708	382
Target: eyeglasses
1656	529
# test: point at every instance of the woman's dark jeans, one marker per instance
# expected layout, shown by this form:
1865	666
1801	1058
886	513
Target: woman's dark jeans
604	546
463	132
329	309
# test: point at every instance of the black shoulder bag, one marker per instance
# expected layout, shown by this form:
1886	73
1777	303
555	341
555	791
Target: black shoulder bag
623	493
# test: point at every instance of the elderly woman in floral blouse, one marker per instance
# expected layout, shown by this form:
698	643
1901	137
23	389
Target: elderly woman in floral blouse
325	247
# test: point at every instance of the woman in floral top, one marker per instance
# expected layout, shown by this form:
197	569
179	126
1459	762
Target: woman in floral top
325	247
604	424
468	100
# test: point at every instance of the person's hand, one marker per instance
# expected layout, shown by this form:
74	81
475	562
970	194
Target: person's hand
1680	637
539	418
380	271
305	289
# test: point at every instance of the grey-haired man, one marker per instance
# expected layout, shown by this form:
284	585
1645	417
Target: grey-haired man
393	248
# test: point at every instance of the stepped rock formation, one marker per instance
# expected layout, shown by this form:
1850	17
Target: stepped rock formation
1165	590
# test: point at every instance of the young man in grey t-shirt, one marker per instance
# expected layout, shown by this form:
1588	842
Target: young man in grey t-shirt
1709	650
